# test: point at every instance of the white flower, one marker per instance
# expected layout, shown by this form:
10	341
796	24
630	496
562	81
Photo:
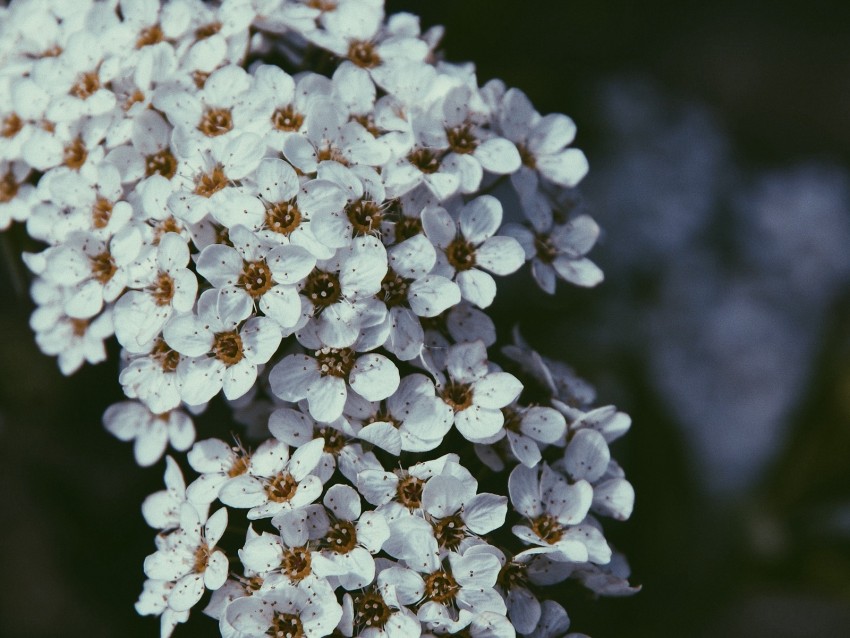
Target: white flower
132	421
471	243
556	249
324	380
274	481
285	611
475	393
235	351
168	287
541	140
554	509
530	428
190	559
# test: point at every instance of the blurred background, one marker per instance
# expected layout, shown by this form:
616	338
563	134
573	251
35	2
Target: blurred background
719	143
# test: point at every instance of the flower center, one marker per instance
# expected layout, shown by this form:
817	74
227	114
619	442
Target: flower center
8	187
547	528
202	557
409	492
334	440
364	54
335	362
167	358
526	156
136	97
286	626
150	35
75	154
367	121
207	30
256	278
86	86
216	122
103	267
461	139
449	531
441	587
342	537
458	396
407	227
546	250
240	465
207	184
322	5
512	575
283	217
162	162
393	289
200	78
513	419
79	327
281	488
101	212
322	288
370	610
12	125
383	416
364	215
425	160
162	290
461	254
228	348
167	225
296	563
286	118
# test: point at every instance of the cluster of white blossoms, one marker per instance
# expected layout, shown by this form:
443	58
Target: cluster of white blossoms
319	245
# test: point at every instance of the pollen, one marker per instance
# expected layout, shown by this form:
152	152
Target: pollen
409	492
364	54
207	184
150	35
547	528
334	440
425	159
461	254
103	267
335	362
461	139
364	215
162	290
169	359
449	531
8	187
256	278
394	289
216	122
207	30
87	85
341	537
286	118
286	626
370	610
296	563
441	587
75	154
281	488
12	125
228	348
101	212
283	217
458	396
161	163
322	289
202	557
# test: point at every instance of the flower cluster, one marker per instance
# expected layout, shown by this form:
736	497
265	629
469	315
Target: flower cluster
320	247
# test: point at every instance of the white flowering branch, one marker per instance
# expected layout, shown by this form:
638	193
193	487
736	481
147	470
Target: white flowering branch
319	249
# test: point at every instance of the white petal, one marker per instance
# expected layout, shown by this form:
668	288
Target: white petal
498	155
500	255
481	218
477	287
496	390
374	377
